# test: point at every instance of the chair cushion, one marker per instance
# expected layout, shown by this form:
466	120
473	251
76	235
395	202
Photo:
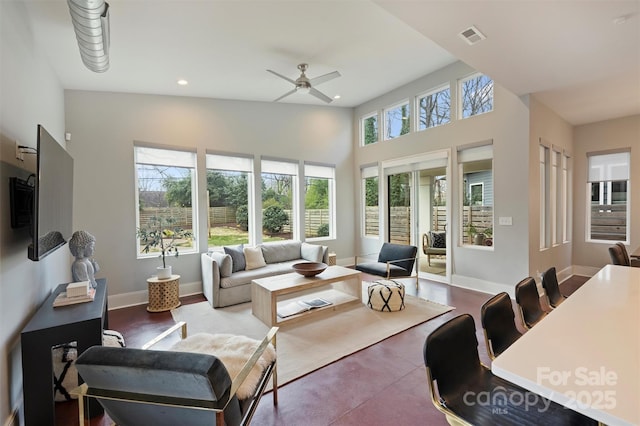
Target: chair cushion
380	269
234	351
253	257
390	252
237	257
438	239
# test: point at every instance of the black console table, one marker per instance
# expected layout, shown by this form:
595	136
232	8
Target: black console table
82	323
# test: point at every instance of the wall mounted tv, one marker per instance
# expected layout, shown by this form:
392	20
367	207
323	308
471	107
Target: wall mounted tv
52	219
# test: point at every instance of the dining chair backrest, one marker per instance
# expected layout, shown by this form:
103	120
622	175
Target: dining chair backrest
528	301
498	322
551	287
623	249
617	255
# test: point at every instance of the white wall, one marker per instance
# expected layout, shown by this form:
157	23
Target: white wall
549	126
104	127
489	270
29	94
601	136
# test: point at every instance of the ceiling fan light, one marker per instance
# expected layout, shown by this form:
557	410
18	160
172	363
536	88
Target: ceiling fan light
304	90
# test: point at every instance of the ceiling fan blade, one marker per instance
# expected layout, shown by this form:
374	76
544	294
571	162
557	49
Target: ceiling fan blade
320	95
324	78
282	76
291	92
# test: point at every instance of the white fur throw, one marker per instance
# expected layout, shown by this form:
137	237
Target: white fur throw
234	351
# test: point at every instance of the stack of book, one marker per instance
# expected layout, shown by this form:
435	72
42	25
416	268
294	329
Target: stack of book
79	292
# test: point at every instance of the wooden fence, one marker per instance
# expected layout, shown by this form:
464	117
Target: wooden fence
609	222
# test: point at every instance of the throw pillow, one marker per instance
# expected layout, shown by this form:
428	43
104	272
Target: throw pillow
237	257
254	258
438	239
311	252
224	261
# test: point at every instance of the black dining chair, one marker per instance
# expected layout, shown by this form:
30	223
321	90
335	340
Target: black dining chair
528	300
458	380
498	322
551	287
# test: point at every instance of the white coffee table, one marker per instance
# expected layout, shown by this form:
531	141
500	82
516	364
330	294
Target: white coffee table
338	285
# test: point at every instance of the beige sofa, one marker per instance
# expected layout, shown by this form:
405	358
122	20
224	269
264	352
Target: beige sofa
223	287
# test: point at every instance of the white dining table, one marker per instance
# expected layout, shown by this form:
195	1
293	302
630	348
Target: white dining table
585	354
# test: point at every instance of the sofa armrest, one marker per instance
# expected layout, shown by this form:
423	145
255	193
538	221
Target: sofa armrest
210	279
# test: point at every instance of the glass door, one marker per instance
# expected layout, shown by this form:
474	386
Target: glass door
433	223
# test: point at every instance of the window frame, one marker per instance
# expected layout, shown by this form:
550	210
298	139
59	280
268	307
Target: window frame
385	125
310	170
461	93
368	172
419	97
138	150
363	119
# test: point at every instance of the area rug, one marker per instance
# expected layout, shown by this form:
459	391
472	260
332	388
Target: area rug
314	342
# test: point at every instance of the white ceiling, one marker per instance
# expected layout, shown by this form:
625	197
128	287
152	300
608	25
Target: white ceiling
570	53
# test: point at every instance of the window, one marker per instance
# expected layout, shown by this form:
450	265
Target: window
566	197
229	189
434	108
371	211
279	200
607	192
166	188
397	120
544	196
476	178
319	204
369	129
476	95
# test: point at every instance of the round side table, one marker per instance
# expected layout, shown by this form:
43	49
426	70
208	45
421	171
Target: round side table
164	294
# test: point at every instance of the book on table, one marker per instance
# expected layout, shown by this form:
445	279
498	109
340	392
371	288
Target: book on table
63	300
301	306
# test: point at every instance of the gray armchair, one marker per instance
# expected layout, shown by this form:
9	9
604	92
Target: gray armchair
138	386
394	261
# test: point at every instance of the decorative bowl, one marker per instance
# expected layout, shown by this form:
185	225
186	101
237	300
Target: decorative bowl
309	269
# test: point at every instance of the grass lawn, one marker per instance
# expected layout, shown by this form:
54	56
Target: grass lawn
228	236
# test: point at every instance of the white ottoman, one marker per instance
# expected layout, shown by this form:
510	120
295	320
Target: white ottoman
386	296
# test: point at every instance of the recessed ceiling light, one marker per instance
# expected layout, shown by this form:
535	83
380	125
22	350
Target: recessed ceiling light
336	97
182	82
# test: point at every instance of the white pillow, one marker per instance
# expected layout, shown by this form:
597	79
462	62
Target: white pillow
254	258
311	252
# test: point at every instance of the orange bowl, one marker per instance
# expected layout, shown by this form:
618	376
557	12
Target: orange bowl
309	269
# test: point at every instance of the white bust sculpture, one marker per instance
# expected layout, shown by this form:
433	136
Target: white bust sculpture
82	244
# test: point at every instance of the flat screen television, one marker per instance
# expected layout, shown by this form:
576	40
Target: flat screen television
52	219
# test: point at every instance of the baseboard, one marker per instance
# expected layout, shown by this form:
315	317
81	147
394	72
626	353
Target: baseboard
585	271
135	298
482	286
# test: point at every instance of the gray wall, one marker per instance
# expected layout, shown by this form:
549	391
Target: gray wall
104	127
610	134
504	265
29	94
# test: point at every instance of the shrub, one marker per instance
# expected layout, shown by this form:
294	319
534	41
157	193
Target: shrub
323	230
274	219
242	217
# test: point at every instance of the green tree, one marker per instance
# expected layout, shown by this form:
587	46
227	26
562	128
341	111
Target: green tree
406	120
178	191
399	190
317	194
371	130
274	219
371	191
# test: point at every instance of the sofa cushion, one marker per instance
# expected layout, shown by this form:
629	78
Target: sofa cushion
254	258
225	264
245	277
281	251
237	257
311	252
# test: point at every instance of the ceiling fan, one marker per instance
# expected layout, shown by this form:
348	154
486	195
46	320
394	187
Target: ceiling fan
306	85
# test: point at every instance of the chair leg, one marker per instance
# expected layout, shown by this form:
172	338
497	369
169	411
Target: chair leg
429	259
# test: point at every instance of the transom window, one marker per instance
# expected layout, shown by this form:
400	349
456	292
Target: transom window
434	108
369	129
397	120
476	95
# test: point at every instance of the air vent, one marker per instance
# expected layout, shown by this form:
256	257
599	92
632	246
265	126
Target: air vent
472	35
